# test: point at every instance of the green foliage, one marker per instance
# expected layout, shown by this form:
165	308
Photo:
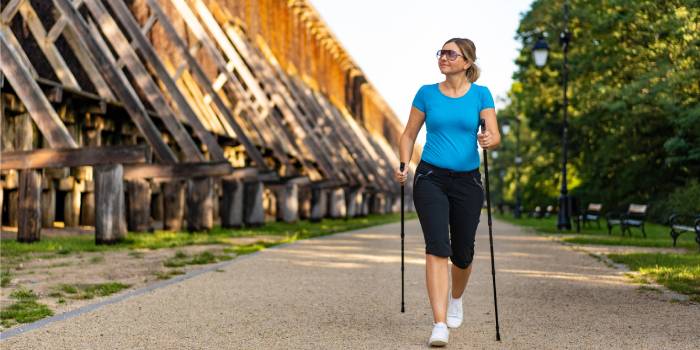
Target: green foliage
684	200
634	111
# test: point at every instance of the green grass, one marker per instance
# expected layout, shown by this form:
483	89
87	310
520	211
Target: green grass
657	235
24	310
5	278
15	251
164	275
254	247
87	291
181	259
678	272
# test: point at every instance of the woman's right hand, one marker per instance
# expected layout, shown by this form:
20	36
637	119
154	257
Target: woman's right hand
401	176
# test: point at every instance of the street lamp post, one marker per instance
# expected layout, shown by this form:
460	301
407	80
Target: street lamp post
518	161
539	53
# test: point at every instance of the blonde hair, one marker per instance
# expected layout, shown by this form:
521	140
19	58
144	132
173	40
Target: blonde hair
469	52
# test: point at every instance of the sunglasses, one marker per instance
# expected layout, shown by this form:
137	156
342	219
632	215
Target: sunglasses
450	54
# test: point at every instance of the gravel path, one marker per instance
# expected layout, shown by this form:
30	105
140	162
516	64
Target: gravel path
344	292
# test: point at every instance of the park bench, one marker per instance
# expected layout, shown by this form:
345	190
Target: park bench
634	217
537	213
681	224
549	212
592	213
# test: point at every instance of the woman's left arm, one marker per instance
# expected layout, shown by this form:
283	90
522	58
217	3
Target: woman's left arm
492	137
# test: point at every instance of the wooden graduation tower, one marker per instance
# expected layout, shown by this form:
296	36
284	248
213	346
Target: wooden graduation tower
183	114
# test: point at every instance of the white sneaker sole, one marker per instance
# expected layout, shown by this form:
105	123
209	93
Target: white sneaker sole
438	342
453	324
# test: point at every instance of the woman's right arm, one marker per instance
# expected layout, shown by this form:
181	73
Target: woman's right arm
408	139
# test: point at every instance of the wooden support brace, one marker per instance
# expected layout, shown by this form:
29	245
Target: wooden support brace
118	82
58	158
31	95
181	170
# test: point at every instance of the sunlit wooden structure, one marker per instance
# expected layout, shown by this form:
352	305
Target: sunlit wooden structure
124	115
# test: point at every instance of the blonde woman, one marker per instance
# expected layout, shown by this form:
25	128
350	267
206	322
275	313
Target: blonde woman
447	190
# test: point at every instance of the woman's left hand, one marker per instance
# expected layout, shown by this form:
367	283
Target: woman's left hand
486	139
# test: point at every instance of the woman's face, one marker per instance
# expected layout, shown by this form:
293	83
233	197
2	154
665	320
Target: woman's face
450	63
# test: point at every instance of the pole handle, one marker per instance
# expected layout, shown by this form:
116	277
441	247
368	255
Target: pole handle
482	124
402	166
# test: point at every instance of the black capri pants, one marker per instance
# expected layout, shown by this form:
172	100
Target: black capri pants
448	199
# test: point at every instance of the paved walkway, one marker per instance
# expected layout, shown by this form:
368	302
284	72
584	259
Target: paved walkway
344	292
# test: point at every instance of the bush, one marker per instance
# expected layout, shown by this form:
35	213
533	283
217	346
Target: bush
683	200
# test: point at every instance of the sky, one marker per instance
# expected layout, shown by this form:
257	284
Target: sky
394	41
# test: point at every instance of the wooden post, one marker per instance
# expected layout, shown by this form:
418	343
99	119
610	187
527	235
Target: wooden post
336	203
48	203
173	205
139	205
29	229
366	200
378	205
216	200
87	205
254	213
319	204
305	202
12	208
353	200
232	204
92	137
200	204
71	209
157	202
288	202
109	209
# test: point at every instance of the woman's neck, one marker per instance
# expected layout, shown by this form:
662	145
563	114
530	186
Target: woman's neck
456	82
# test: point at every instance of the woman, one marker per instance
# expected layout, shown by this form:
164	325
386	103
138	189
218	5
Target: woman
447	190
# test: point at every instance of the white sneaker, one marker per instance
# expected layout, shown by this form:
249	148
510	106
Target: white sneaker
455	313
440	335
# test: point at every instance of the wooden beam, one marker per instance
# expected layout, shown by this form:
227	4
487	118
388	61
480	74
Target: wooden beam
140	41
33	98
56	30
172	171
250	148
231	45
10	10
267	125
142	78
71	157
118	82
80	51
53	56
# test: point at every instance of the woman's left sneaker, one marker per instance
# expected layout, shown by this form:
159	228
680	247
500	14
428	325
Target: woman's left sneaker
440	335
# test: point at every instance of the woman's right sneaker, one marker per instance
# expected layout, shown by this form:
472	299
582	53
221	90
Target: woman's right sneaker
440	335
455	313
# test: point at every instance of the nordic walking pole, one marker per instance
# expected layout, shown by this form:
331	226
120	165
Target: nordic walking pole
482	123
401	167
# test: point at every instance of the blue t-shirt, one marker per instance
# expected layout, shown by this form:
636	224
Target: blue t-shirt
452	124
